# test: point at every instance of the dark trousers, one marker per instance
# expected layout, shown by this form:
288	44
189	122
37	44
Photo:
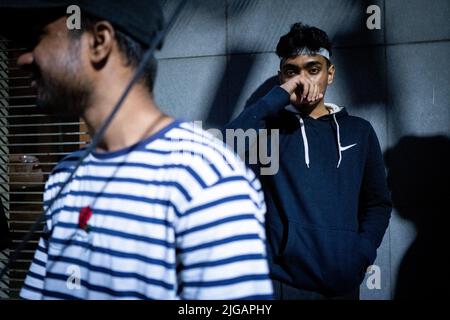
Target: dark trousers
283	291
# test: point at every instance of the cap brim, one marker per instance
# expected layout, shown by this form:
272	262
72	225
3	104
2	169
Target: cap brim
27	4
19	20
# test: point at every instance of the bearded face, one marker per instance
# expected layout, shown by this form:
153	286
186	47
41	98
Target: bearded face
56	69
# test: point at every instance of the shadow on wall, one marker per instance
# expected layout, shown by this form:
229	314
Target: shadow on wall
262	90
419	177
218	118
369	71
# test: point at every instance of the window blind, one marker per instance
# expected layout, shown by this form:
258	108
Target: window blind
31	144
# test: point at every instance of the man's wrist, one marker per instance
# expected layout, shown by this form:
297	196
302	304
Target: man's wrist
277	99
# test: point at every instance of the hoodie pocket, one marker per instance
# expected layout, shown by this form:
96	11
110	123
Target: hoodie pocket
329	261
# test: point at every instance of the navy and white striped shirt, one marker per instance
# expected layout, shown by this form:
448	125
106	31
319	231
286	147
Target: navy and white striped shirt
177	216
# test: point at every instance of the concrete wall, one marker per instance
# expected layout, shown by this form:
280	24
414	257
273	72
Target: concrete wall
221	51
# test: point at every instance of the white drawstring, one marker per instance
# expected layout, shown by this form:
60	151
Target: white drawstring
338	140
305	139
334	109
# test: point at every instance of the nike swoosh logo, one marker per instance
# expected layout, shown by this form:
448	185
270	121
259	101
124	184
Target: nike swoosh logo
348	147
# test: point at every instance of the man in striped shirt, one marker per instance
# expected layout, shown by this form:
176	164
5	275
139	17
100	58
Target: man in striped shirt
161	209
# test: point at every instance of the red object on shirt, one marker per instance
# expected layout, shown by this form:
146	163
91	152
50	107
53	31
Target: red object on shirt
85	215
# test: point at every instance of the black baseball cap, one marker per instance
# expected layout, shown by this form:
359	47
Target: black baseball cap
139	19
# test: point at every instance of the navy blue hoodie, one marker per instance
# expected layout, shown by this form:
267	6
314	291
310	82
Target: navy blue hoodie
328	206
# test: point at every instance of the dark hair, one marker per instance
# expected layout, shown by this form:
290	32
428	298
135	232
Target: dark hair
133	51
303	36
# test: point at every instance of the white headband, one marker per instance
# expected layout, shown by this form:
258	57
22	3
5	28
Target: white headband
305	51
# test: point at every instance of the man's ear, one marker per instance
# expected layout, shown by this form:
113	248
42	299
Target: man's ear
101	42
331	72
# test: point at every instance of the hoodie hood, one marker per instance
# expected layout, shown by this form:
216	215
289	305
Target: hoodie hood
332	108
335	112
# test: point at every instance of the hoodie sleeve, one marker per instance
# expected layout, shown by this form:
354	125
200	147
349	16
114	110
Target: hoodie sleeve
375	201
254	116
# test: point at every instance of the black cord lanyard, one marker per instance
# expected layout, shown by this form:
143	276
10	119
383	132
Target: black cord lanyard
98	136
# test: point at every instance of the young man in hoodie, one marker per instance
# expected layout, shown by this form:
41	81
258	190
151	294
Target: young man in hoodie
328	204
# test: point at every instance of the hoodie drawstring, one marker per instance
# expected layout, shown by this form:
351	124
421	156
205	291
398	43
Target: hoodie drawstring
305	139
306	144
338	133
335	110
